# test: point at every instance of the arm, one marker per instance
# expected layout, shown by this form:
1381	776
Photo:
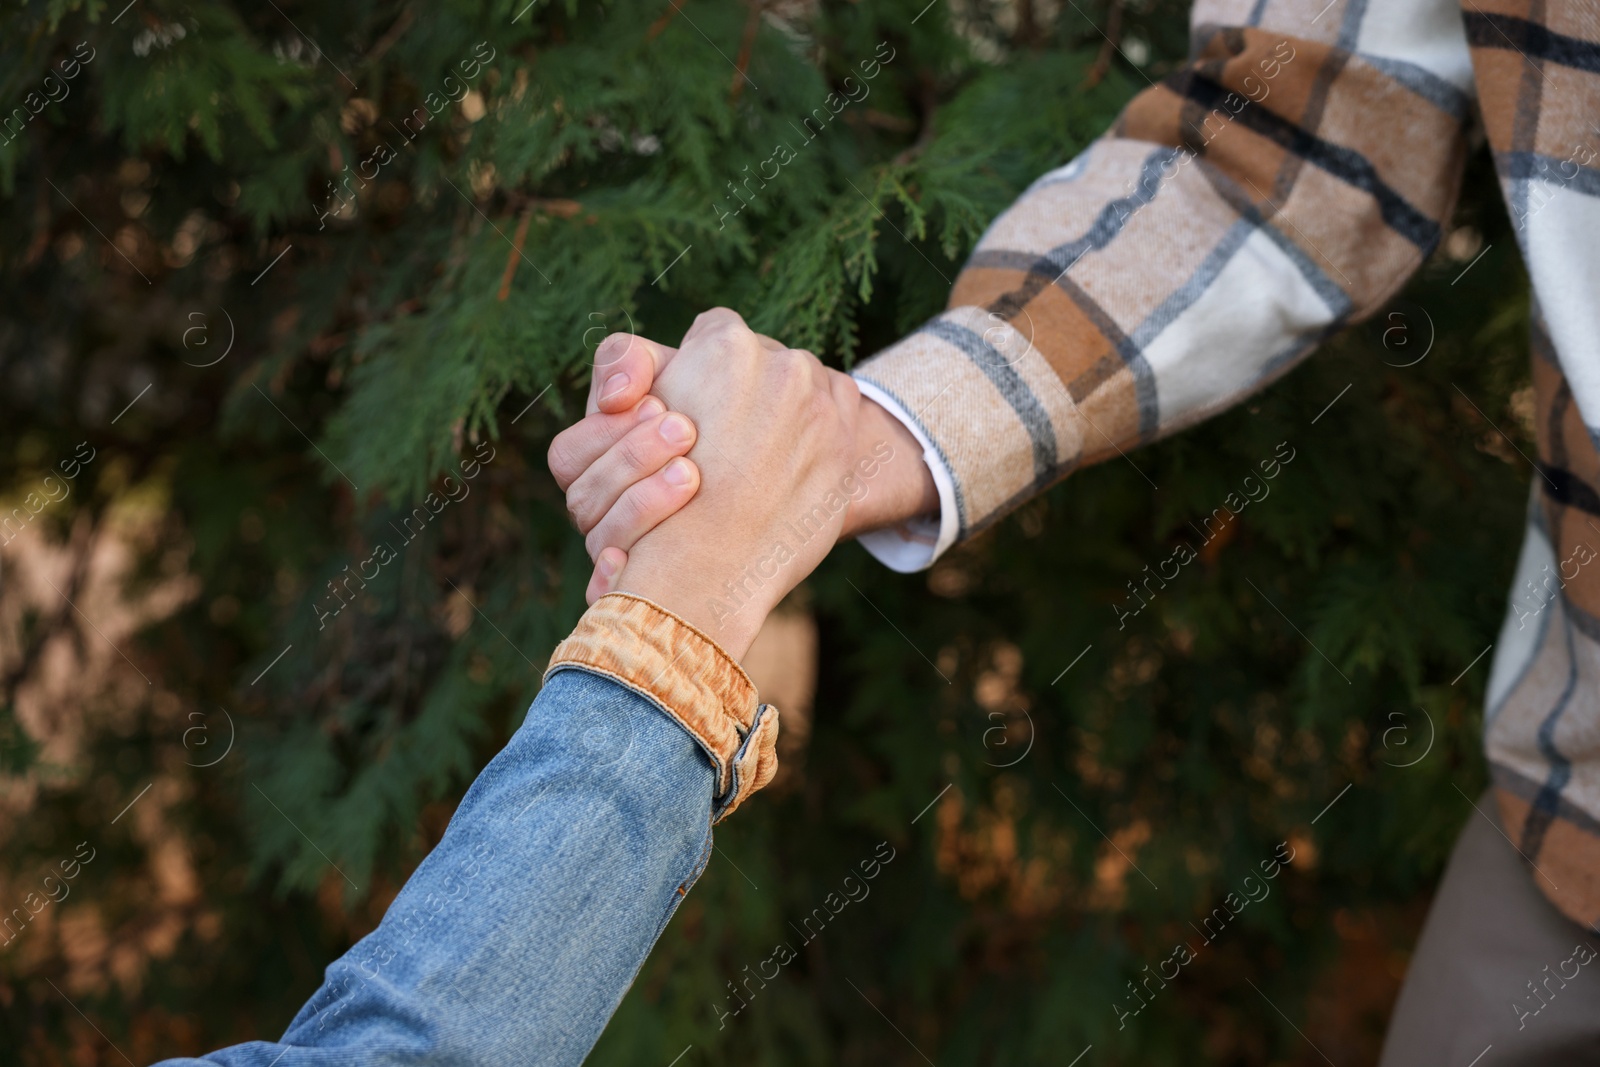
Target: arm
1278	187
516	938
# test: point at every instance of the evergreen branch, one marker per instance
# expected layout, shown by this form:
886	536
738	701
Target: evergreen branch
660	24
515	255
747	41
1102	59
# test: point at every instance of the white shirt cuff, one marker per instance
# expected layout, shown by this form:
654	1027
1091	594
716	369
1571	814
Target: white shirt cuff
915	544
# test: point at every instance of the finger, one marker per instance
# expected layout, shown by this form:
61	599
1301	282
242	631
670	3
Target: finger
641	452
713	320
643	505
607	571
625	368
586	440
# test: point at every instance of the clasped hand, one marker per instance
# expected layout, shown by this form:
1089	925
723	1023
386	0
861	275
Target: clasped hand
717	492
713	477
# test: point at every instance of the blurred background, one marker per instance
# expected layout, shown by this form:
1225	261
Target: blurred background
271	273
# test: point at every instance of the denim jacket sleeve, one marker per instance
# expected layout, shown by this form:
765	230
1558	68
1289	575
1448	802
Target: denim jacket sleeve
516	938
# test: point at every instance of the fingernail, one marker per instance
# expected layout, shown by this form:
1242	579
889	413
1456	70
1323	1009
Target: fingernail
650	407
679	473
606	565
676	429
614	385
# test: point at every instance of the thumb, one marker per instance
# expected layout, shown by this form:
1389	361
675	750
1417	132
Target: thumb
625	369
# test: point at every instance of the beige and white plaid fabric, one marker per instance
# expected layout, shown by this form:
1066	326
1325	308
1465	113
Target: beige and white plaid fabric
1280	186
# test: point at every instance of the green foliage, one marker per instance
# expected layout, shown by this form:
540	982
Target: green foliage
598	177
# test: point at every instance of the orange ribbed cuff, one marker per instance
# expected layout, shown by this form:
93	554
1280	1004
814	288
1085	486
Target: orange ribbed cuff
647	648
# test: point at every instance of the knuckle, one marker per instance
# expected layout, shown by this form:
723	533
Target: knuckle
619	526
720	316
634	451
730	327
651	502
597	540
796	378
580	505
638	503
559	457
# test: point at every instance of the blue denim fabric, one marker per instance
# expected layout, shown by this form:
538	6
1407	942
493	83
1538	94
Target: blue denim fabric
516	938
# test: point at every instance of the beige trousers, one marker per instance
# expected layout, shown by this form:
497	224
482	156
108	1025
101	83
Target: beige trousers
1492	980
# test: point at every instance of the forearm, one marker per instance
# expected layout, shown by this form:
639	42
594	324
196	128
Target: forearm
516	938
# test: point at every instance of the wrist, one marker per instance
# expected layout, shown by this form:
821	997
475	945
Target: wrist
731	619
899	486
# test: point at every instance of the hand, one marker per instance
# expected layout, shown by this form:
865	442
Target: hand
618	465
626	367
777	447
623	473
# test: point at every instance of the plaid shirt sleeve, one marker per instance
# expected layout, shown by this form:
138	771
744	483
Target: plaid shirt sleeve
1279	186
